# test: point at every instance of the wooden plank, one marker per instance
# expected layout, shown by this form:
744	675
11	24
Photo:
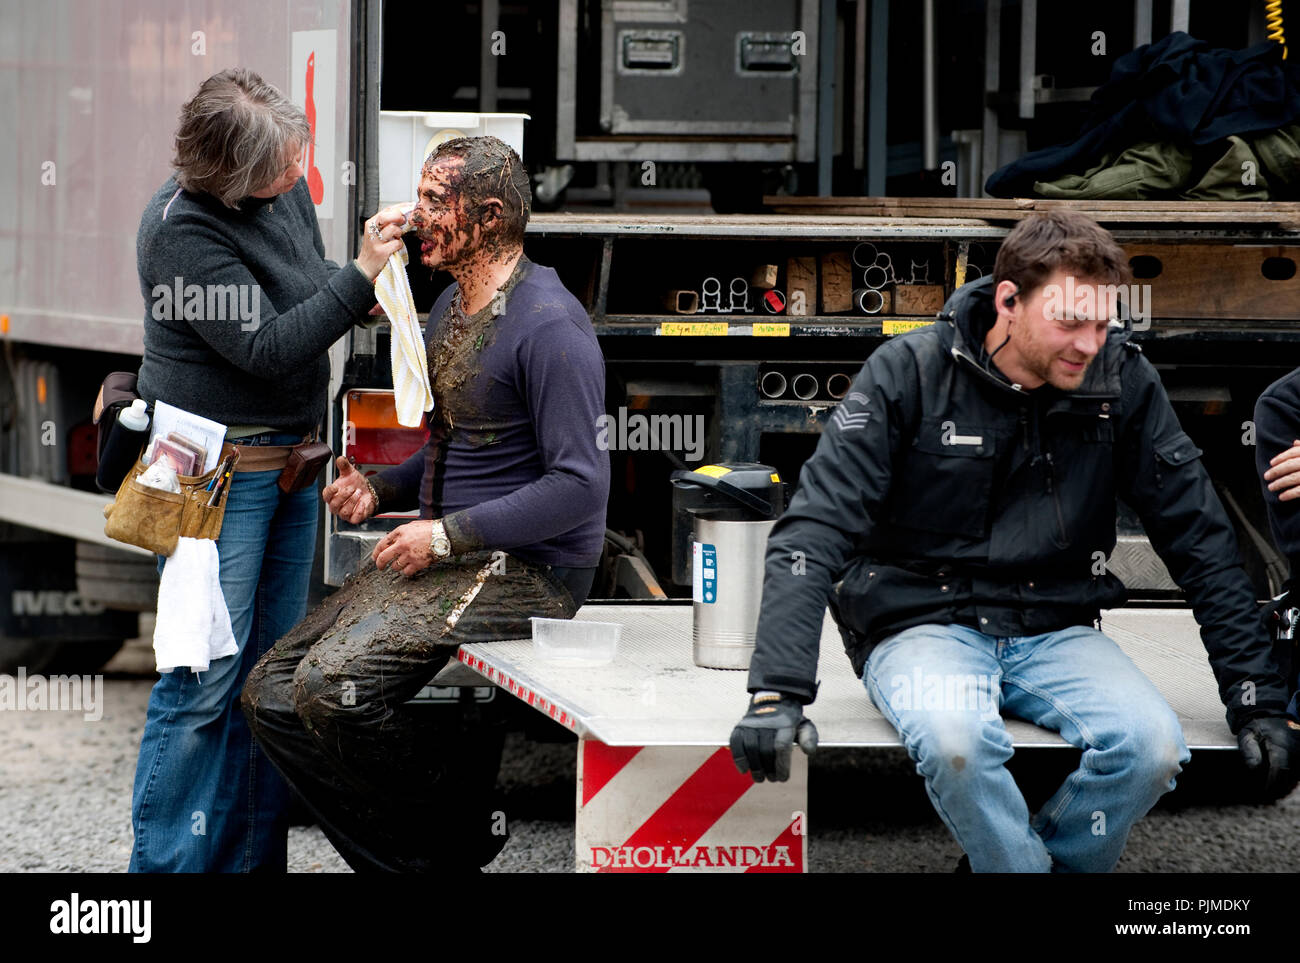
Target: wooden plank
763	276
1219	281
918	298
801	277
1283	213
837	282
1207	218
1040	203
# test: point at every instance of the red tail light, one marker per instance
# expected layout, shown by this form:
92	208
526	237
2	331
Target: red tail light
372	434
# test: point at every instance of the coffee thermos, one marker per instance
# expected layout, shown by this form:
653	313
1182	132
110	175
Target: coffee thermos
732	508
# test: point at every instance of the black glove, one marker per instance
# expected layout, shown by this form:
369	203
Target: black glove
1270	747
763	740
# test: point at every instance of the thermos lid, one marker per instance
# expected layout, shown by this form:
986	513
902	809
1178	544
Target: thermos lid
754	487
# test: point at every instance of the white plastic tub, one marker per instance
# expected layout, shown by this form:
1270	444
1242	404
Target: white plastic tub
571	642
407	137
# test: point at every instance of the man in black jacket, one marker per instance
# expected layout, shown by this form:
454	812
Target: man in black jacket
1277	456
957	515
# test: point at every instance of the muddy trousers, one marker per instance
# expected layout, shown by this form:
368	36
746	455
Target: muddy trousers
395	787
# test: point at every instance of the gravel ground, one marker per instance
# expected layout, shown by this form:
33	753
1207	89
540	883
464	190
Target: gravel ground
65	801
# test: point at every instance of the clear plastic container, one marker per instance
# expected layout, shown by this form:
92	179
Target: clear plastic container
571	642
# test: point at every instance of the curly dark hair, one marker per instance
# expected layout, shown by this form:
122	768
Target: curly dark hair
489	168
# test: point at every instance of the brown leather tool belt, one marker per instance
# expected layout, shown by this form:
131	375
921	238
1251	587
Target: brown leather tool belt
262	457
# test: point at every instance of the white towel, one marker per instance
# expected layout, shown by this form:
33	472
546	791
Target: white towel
193	624
411	391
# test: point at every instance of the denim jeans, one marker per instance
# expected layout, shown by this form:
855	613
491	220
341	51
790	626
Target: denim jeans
205	797
943	688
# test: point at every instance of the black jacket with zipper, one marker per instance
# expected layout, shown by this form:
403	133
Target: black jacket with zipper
941	493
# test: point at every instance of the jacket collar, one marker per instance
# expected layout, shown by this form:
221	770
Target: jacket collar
968	315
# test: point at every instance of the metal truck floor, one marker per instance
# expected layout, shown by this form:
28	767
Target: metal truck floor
653	694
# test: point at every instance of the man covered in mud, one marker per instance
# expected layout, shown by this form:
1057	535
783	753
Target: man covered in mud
511	487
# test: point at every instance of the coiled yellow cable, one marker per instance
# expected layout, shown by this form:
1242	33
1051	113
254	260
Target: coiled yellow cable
1273	17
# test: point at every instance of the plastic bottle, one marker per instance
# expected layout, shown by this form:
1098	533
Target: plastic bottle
130	432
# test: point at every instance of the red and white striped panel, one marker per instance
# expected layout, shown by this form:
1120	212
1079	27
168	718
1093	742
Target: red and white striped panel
659	809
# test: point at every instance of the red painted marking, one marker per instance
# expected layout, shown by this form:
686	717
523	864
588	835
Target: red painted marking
688	813
794	842
600	764
315	184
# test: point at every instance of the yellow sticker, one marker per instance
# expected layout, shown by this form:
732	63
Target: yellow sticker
713	471
693	327
771	329
898	327
776	478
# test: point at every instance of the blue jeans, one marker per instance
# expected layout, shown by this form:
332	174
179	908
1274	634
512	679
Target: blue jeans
943	688
205	798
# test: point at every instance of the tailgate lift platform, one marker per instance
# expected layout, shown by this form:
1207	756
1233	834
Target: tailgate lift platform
657	790
653	694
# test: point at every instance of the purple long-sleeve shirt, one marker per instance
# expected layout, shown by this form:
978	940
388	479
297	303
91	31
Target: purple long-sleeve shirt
512	460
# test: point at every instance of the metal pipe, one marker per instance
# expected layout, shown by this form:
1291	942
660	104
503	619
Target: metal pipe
1141	23
1028	55
991	133
825	96
860	85
875	277
930	121
869	300
489	12
838	384
1180	13
804	386
772	384
877	101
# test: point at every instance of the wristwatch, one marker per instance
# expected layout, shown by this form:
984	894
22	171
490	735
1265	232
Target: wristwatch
439	543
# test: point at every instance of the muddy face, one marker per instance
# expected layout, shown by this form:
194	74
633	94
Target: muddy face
458	215
439	219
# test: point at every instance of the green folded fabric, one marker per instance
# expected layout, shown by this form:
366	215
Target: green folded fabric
1279	154
1145	171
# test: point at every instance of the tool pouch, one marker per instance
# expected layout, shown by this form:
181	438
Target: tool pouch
153	519
304	465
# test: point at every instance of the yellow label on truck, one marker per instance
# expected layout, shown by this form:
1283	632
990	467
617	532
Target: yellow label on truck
693	328
898	327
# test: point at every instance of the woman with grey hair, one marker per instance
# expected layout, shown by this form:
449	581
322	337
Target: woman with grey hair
236	216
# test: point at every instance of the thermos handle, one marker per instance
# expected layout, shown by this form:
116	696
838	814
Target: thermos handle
748	499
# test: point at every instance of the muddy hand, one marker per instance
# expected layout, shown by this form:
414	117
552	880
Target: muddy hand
406	548
348	496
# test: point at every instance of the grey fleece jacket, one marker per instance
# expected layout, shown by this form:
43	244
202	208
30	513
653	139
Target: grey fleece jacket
246	341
